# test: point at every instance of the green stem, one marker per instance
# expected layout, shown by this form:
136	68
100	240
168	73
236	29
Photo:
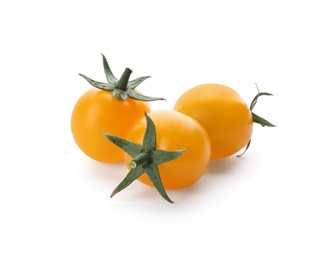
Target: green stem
122	89
122	84
141	159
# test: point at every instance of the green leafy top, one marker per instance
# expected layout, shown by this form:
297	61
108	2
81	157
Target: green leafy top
257	119
122	88
146	158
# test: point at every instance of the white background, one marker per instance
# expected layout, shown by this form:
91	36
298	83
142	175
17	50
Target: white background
274	203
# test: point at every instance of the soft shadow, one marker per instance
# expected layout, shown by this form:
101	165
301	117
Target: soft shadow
225	165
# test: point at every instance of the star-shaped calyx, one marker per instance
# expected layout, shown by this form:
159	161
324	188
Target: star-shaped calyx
146	158
257	119
122	88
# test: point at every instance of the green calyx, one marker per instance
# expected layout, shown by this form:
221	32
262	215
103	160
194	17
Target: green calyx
122	88
146	158
257	119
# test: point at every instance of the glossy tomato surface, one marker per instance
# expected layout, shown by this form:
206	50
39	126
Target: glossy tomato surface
176	131
223	113
97	111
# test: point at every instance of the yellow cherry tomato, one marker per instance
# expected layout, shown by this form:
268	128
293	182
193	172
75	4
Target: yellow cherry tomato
175	131
223	113
112	107
98	111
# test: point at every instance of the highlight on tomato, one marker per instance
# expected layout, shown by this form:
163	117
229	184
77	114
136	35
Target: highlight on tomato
111	107
166	149
224	114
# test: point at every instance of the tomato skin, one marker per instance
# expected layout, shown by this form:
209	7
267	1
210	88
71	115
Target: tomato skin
98	111
221	110
175	131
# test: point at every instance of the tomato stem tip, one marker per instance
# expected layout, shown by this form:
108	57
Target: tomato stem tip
141	159
124	80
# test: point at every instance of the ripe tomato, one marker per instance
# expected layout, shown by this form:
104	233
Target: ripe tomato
175	131
111	107
99	111
224	114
